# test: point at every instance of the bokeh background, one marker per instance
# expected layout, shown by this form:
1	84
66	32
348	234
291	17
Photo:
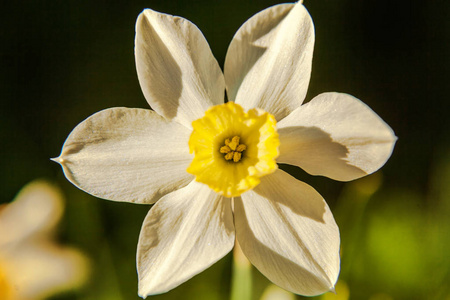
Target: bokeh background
62	61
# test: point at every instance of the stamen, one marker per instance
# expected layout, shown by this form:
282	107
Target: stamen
234	143
229	155
241	148
225	149
237	156
232	149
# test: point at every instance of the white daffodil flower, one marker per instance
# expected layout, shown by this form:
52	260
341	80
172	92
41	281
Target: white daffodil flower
32	265
194	155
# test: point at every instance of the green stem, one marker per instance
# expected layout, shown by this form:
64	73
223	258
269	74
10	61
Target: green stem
241	282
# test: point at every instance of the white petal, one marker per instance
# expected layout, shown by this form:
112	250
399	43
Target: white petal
335	135
38	270
268	64
183	234
179	76
287	231
21	218
125	154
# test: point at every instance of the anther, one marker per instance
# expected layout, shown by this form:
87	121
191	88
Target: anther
234	143
225	149
237	156
241	148
229	155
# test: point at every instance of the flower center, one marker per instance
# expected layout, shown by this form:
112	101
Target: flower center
232	149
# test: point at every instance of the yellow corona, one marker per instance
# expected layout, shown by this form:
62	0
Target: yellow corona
233	149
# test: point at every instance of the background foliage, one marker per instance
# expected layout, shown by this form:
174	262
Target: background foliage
62	61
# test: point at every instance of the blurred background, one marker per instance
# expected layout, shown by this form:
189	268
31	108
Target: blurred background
62	61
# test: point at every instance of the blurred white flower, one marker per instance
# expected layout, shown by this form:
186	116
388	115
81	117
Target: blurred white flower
284	226
32	264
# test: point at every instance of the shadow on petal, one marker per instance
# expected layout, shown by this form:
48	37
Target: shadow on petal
300	198
72	149
278	268
183	234
313	150
249	47
152	240
161	75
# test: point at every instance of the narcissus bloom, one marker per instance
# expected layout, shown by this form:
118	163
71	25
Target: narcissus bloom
32	265
196	156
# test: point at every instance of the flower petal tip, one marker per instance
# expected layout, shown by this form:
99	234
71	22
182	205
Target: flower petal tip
58	160
333	290
145	290
142	295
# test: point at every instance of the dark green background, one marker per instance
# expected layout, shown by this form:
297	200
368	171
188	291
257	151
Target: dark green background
62	61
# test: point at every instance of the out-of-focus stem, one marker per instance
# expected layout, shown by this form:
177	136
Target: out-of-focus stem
241	282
